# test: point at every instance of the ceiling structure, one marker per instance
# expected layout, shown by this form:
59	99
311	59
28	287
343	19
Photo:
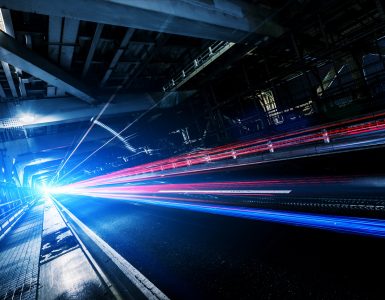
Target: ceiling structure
63	63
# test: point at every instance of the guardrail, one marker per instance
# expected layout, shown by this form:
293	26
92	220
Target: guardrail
10	217
342	136
320	134
198	64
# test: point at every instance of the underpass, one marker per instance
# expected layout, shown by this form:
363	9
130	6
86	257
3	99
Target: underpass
192	149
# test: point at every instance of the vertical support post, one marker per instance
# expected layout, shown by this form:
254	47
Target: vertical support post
325	136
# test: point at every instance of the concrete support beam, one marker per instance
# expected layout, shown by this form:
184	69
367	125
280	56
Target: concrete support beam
23	58
218	20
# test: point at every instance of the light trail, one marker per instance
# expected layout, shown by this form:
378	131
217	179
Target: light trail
178	196
112	97
226	192
111	139
372	227
138	184
130	184
223	188
113	132
180	165
362	226
93	122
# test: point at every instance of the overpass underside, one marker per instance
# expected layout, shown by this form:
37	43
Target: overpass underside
192	149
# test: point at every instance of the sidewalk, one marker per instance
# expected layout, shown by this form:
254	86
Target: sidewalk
40	258
19	256
65	272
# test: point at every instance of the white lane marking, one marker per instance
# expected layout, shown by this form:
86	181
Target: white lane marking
137	278
227	191
89	256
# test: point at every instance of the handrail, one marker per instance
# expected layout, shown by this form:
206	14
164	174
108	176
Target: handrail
198	64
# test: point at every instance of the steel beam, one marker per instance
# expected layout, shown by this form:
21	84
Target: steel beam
145	59
70	32
45	149
118	54
8	75
91	52
54	37
218	20
70	109
6	22
55	25
68	39
23	58
22	89
2	93
7	26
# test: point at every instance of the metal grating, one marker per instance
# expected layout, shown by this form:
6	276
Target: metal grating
19	257
11	123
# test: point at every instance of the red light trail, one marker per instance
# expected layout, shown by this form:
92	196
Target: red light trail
132	184
180	165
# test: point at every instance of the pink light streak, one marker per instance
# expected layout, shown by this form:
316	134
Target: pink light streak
179	165
129	184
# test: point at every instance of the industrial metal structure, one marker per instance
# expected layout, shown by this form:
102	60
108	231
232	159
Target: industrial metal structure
127	99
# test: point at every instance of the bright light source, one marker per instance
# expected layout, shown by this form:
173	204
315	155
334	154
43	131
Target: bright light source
44	189
26	118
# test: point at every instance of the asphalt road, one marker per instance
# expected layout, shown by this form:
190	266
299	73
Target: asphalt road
192	255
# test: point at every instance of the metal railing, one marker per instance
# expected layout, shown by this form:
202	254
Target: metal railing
9	217
198	64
